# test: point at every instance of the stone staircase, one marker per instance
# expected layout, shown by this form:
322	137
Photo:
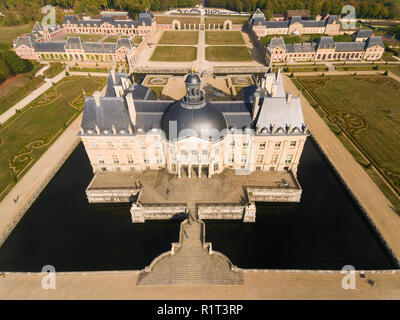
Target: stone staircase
191	262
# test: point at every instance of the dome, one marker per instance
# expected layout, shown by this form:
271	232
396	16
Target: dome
192	78
204	122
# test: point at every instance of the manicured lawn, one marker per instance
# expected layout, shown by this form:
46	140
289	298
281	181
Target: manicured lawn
55	69
183	20
179	37
113	39
212	20
137	39
26	136
84	37
367	108
7	34
225	53
174	53
224	37
15	88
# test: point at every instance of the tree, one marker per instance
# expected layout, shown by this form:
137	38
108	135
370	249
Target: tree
4	70
15	63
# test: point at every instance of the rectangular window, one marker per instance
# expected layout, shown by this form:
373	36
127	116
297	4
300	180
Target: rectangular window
118	169
194	152
146	159
260	158
159	159
274	159
258	168
215	166
205	152
289	158
94	144
231	159
262	145
130	159
126	144
183	152
277	145
245	144
110	144
115	159
232	143
271	168
101	160
244	160
293	144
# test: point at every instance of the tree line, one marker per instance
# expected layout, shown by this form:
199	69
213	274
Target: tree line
381	9
24	11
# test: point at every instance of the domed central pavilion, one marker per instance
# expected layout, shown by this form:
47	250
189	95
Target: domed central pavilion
193	115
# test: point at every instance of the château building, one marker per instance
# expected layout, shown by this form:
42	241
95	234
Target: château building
130	130
295	25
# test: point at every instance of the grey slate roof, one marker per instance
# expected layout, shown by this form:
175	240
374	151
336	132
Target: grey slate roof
49	46
313	23
275	111
141	92
112	111
97	47
363	34
295	19
349	46
300	47
71	18
277	24
144	17
332	18
326	43
374	41
37	27
74	43
277	42
23	41
110	92
126	43
258	17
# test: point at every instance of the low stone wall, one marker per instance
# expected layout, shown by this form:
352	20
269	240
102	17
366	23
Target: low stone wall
264	194
220	211
111	195
158	211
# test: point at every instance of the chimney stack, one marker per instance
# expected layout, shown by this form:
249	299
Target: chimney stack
131	107
288	97
96	96
113	75
256	107
274	90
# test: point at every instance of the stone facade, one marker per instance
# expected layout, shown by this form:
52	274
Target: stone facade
123	133
324	49
295	25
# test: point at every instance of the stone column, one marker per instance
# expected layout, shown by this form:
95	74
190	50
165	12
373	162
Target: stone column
199	171
189	171
179	171
209	170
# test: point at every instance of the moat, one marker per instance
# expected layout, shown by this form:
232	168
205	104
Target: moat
325	230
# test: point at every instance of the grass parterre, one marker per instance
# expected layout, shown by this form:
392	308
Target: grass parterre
27	135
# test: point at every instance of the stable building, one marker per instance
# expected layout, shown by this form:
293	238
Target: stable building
294	25
324	49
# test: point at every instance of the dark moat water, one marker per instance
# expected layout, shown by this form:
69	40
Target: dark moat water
325	231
